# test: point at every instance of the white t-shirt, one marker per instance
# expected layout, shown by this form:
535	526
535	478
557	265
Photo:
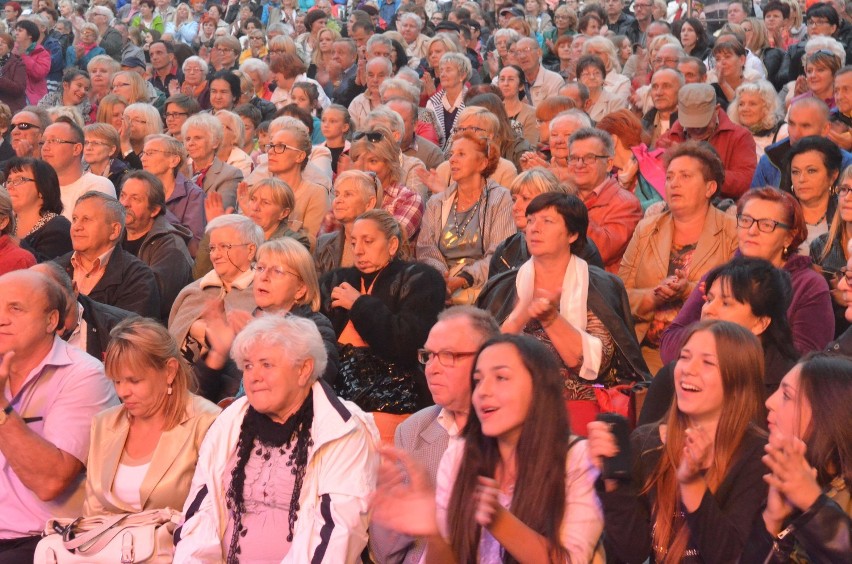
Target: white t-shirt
85	183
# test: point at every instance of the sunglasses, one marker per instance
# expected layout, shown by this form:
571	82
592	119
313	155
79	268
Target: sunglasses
25	126
372	136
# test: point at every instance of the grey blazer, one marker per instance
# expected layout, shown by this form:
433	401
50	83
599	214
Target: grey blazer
425	440
223	178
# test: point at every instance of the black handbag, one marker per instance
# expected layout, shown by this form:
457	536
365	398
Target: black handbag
376	384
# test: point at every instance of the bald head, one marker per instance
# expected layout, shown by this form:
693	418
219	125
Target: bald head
808	116
31	306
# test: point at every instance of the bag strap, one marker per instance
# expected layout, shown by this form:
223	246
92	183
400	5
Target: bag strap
89	537
97	538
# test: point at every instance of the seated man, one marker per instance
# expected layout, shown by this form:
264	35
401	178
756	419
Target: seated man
27	127
664	88
99	266
807	117
50	392
613	211
448	353
151	238
700	118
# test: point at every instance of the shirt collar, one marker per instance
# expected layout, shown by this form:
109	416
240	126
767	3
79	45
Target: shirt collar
100	262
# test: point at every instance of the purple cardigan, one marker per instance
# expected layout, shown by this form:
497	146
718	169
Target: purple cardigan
810	315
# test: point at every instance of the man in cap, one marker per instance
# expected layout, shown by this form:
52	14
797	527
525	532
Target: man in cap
700	118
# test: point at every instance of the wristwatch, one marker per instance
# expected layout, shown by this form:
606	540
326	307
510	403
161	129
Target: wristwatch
5	414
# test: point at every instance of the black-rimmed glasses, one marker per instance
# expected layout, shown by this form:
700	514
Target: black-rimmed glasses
448	359
764	224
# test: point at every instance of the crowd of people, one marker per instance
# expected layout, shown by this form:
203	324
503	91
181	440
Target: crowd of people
403	281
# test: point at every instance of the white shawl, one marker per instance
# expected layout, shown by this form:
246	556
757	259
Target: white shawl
572	307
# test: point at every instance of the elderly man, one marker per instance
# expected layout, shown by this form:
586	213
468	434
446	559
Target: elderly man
693	69
841	117
807	116
613	211
62	148
344	53
617	21
664	88
413	145
700	118
100	268
129	49
153	239
86	323
111	38
49	393
448	357
541	83
27	127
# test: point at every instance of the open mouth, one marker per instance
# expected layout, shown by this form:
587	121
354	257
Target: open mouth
689	387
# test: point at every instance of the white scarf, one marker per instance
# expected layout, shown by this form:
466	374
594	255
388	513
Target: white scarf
572	307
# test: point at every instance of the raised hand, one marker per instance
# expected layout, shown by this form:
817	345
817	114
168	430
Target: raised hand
697	455
344	295
790	472
404	499
214	206
487	501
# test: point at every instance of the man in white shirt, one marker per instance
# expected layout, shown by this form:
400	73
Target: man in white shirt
541	83
62	148
448	356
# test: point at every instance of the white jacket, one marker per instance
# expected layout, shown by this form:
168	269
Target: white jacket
340	476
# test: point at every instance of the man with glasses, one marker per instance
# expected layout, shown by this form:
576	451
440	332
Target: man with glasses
448	358
27	127
62	148
99	266
613	211
806	117
541	83
643	10
700	118
153	239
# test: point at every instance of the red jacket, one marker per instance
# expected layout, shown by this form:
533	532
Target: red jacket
613	216
37	64
13	257
735	146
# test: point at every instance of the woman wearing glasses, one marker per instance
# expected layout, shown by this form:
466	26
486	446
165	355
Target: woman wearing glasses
130	86
285	283
464	224
101	151
140	120
771	226
178	108
591	72
39	224
454	71
829	252
234	240
670	252
382	309
195	84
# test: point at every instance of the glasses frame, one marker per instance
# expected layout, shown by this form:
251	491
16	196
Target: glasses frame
743	219
573	160
226	247
271	148
449	360
18	181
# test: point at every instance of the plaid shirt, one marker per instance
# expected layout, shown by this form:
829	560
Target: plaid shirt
406	206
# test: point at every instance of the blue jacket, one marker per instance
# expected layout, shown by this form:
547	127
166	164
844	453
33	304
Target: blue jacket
774	161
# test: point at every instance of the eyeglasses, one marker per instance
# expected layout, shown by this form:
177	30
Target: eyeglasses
765	224
223	50
56	142
92	142
18	181
274	271
152	152
279	148
524	51
844	190
447	359
637	5
174	115
24	126
472	128
226	247
814	22
117	85
592	74
372	136
670	60
586	159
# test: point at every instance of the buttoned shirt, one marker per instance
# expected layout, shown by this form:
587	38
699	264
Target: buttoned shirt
88	278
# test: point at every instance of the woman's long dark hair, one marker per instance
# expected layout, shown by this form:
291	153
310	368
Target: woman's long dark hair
767	290
259	431
539	495
702	40
826	382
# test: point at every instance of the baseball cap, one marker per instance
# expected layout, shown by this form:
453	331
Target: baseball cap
695	105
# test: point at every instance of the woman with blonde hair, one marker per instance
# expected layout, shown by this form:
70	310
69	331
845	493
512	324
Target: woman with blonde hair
130	86
102	153
101	68
696	479
440	45
184	27
140	120
757	41
377	152
85	48
111	110
230	151
319	69
143	452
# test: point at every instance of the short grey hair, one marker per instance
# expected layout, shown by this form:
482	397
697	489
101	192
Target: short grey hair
411	92
384	116
236	123
507	33
114	212
379	38
207	122
256	65
822	42
296	337
411	16
578	116
205	68
675	72
248	230
594	133
774	109
152	116
173	146
461	62
388	66
7	212
481	321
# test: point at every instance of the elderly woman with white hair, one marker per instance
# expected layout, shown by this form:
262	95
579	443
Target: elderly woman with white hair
454	70
195	83
410	26
233	243
757	107
377	70
260	75
615	83
241	507
202	136
232	140
140	121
